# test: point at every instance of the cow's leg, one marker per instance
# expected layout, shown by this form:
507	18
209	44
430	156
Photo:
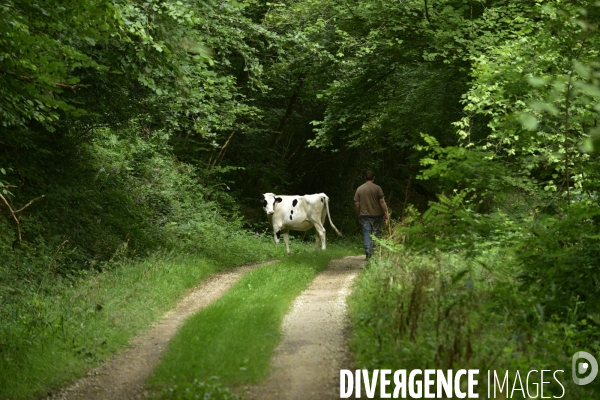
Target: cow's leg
286	239
320	236
277	234
317	240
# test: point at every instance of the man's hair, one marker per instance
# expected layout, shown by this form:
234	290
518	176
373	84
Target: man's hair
369	175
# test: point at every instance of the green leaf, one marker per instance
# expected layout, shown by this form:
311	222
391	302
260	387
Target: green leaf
537	81
528	121
459	275
591	144
542	106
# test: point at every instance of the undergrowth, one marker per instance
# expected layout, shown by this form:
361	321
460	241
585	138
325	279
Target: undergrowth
444	311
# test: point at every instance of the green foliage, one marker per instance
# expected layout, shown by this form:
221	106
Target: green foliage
520	182
560	262
41	47
513	185
127	100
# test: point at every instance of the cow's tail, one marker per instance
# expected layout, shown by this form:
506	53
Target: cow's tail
329	216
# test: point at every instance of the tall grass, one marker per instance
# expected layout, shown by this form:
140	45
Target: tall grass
442	311
52	331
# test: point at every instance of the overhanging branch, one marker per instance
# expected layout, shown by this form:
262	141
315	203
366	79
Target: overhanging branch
14	213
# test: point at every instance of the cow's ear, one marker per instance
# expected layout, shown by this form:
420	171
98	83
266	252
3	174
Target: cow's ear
278	199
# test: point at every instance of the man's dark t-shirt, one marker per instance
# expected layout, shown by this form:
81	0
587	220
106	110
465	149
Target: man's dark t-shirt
368	195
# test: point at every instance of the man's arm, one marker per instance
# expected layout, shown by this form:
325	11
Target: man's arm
357	206
384	208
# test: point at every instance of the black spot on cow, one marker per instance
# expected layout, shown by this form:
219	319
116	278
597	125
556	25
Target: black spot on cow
292	211
294	202
290	217
322	198
264	203
278	234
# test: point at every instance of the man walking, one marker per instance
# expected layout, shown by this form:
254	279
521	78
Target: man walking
370	205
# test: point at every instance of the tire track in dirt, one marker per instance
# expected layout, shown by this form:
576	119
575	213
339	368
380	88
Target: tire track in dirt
306	364
124	375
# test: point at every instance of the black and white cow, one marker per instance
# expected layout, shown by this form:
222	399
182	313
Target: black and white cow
298	213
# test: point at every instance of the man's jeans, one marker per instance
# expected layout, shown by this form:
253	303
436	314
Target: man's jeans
370	225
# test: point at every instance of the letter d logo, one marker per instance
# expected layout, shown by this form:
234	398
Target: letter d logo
584	367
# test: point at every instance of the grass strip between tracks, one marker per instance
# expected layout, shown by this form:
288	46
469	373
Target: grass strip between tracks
231	341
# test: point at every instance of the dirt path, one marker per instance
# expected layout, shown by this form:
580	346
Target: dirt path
307	363
124	375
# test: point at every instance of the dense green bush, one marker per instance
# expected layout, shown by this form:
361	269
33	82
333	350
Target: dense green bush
561	261
130	190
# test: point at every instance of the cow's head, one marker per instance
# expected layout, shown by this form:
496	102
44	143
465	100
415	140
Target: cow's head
269	201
